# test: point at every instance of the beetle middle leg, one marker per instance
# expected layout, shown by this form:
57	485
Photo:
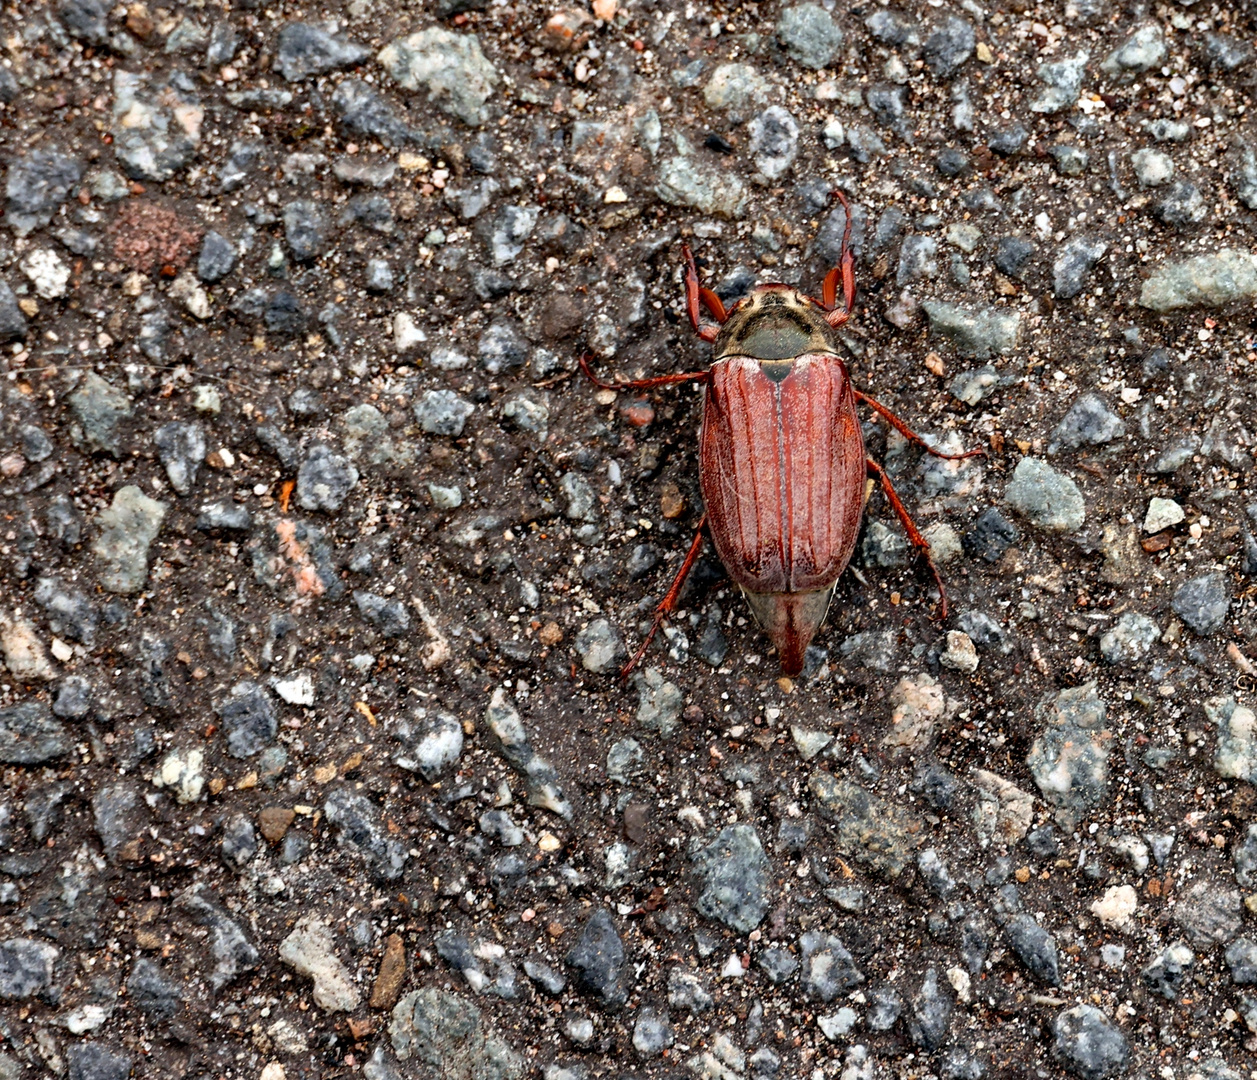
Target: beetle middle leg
909	526
668	604
641	384
908	433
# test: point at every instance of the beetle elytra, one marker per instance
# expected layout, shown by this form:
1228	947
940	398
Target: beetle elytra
782	464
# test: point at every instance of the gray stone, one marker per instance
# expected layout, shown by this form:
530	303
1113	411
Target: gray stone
949	46
1236	752
885	1008
686	991
217	259
96	1061
305	50
1044	497
1074	263
600	647
449	1035
248	720
652	1033
120	815
236	169
1203	603
828	969
430	744
501	346
73	700
809	35
625	760
325	479
1226	277
917	259
1208	912
683	182
735	87
222	515
979	333
1152	167
507	729
127	528
156	129
598	959
451	67
1142	51
551	981
774	141
1070	160
71	614
1167	973
26	968
733	876
85	20
99	408
12	320
1130	640
379	276
310	950
1070	758
1012	254
1089	422
37	184
991	535
358	820
871	830
527	413
1062	83
156	996
181	448
930	1016
659	702
1241	958
240	842
1181	205
498	824
1244	852
934	873
778	964
305	229
231	948
1035	947
442	412
1089	1044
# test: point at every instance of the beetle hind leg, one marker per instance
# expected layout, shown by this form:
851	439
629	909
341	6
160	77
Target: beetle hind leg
909	526
908	433
668	604
641	384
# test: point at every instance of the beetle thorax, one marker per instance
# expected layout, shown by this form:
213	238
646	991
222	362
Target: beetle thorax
774	323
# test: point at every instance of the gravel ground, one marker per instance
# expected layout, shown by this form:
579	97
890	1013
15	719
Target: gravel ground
319	556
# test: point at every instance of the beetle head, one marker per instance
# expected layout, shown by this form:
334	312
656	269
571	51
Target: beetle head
775	322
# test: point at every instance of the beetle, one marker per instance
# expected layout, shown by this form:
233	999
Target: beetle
782	464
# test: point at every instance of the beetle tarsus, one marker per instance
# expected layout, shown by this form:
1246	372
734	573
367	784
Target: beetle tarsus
668	604
909	526
911	435
641	384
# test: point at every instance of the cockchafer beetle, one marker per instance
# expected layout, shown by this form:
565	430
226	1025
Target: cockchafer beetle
782	464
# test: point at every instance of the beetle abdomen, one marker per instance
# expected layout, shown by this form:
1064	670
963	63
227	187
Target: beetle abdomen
782	472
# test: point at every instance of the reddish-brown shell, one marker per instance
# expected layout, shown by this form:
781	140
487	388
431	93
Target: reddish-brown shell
782	469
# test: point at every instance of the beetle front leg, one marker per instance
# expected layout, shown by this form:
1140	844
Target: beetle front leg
695	295
668	604
909	526
908	433
641	384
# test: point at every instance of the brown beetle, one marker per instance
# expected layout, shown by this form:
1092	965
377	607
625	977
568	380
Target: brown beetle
781	456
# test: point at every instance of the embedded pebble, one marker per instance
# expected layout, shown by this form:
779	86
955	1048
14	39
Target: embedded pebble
1047	499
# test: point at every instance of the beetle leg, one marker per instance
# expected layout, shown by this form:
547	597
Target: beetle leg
641	384
696	295
845	270
908	433
909	526
668	604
